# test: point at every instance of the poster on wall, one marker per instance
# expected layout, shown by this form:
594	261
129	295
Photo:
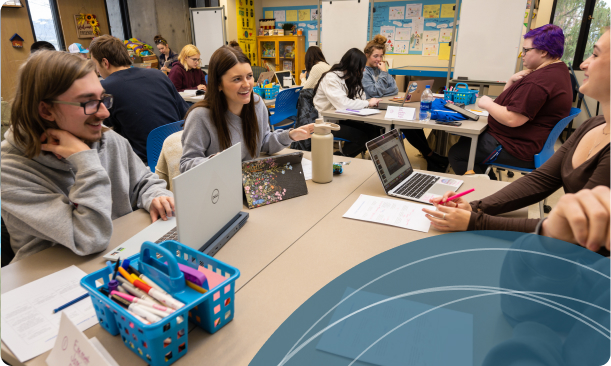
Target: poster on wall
247	37
87	25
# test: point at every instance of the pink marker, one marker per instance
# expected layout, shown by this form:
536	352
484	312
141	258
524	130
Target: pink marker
146	303
458	195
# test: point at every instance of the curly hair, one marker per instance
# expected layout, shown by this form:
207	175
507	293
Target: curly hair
377	43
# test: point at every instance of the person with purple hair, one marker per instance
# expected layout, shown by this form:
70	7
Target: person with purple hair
532	103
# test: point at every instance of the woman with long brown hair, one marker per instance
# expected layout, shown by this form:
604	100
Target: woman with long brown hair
231	113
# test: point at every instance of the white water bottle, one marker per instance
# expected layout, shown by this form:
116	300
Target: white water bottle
426	104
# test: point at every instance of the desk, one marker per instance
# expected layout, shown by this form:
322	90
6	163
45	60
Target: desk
269	102
422	71
189	96
374	119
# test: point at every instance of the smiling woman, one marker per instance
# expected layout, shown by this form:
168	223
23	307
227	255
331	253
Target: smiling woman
188	75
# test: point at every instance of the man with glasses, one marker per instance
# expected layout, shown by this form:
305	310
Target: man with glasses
144	99
65	176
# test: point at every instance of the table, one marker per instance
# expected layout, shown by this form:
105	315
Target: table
374	119
422	71
189	96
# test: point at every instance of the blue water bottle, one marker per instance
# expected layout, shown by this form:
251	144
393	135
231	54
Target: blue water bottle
426	104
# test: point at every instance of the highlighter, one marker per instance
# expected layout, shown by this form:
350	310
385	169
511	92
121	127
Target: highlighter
158	295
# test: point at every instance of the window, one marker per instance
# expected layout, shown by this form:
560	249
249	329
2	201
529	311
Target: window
582	22
45	22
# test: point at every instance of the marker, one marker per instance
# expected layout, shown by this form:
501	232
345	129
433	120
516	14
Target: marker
158	295
125	264
151	283
139	317
71	303
113	284
138	310
458	195
136	292
143	302
126	275
132	270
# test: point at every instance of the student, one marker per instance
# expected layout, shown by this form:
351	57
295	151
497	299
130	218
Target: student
378	83
532	103
143	99
77	48
235	45
582	162
41	45
167	55
188	75
315	67
341	88
231	113
65	176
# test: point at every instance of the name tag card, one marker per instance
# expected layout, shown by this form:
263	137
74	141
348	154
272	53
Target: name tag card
404	113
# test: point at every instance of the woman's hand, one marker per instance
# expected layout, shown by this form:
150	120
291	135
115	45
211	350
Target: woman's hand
382	66
161	208
519	75
373	102
302	133
448	218
302	77
163	68
201	87
456	203
485	102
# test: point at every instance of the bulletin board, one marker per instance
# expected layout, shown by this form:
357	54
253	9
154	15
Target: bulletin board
305	17
415	27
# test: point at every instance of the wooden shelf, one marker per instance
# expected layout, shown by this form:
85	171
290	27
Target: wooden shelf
278	43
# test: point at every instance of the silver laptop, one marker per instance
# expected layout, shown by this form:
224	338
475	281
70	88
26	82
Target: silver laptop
412	94
208	202
398	176
280	75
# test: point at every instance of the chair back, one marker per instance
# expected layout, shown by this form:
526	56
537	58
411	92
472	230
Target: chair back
206	78
256	72
548	148
286	105
154	141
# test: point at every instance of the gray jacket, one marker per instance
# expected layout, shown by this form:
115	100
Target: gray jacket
378	83
200	140
72	202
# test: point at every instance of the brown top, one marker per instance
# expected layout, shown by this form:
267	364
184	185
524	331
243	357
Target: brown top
545	97
555	173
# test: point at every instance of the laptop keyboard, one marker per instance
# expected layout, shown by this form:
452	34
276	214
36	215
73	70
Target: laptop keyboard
170	235
417	186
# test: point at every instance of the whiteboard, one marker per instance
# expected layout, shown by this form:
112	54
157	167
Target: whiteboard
345	27
489	36
208	31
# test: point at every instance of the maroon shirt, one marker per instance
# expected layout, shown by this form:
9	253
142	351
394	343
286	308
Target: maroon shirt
544	96
183	79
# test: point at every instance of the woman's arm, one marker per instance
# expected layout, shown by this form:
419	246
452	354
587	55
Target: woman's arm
334	89
195	140
177	76
384	86
315	74
501	114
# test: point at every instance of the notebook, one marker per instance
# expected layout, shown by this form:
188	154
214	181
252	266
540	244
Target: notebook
273	179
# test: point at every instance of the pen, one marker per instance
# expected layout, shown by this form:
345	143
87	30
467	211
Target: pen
71	303
458	195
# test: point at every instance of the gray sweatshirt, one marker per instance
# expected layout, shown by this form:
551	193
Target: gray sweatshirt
378	83
199	139
72	202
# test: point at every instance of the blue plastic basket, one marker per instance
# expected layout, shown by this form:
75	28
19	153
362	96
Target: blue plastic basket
461	95
259	91
271	93
210	311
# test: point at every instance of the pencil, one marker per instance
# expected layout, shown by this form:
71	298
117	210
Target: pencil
71	303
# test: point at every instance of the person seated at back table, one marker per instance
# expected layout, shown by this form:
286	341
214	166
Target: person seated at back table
167	55
581	163
378	83
186	73
341	88
65	176
232	113
143	99
315	66
533	102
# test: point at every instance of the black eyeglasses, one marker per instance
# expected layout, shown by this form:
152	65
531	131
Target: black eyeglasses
92	106
524	50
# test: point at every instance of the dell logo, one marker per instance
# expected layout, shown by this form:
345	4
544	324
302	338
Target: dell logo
215	196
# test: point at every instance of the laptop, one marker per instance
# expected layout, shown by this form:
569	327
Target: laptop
413	93
397	175
208	208
280	75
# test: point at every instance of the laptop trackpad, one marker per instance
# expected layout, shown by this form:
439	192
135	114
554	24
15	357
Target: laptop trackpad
440	189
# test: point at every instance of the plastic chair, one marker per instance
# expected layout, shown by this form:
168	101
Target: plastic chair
543	155
286	108
256	72
155	139
206	78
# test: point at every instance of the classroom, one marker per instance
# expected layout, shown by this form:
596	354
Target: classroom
230	182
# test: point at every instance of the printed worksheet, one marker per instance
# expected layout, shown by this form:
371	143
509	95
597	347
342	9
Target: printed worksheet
413	10
401	47
445	35
396	12
447	10
403	34
304	15
431	37
280	15
430	11
394	212
431	49
388	31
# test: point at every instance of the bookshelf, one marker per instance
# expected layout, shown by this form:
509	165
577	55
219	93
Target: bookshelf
282	52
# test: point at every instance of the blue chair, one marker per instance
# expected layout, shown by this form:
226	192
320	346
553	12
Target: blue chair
206	78
286	108
543	155
155	139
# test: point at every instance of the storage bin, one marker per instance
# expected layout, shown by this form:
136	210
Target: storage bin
164	342
461	95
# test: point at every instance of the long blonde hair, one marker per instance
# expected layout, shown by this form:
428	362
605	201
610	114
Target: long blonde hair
377	43
45	76
188	51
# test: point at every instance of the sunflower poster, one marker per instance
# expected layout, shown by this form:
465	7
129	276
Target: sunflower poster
247	34
87	25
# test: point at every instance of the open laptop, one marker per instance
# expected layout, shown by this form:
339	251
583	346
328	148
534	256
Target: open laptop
208	208
414	91
398	176
280	75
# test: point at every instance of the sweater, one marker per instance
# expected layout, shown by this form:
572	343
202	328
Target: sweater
332	93
556	173
168	165
315	74
48	201
186	80
143	100
378	83
172	57
199	139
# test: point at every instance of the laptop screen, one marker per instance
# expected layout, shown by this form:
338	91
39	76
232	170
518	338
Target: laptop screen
390	159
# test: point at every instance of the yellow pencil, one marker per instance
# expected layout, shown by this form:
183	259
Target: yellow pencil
195	287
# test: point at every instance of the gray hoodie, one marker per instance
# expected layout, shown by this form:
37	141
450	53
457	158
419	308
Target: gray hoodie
72	202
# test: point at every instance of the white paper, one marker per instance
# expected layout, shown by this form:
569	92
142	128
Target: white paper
446	36
431	37
94	342
396	12
401	47
413	10
306	165
72	347
438	95
403	34
388	211
280	15
431	49
313	35
314	14
312	43
478	112
388	31
359	112
29	327
416	36
402	113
